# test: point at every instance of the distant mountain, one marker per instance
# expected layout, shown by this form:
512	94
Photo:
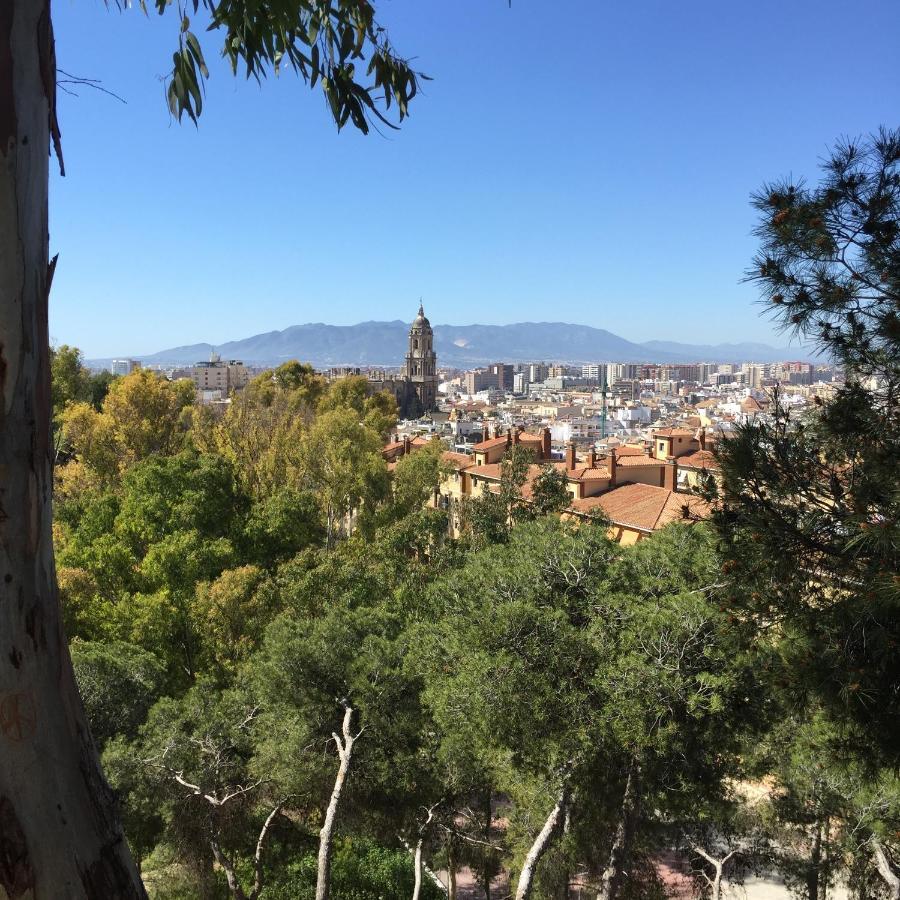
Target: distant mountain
463	346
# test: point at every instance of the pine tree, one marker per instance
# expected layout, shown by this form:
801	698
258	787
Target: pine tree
809	504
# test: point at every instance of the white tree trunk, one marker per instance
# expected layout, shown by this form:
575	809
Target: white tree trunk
417	870
59	832
326	835
886	869
541	844
718	865
616	873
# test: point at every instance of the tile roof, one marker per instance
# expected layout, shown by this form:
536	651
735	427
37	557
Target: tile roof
490	442
699	459
635	461
673	432
390	451
643	506
457	460
583	473
628	450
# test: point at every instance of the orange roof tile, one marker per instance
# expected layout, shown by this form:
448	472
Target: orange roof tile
586	474
636	461
457	460
673	432
628	450
699	459
643	506
490	442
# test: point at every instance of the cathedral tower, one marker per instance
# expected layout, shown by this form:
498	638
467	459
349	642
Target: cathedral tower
421	362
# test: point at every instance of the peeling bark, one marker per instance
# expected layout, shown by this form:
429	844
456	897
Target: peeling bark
618	869
60	835
542	843
344	743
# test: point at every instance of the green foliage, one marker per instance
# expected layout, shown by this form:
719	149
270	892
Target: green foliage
810	511
118	683
417	477
549	492
140	416
325	43
361	870
69	379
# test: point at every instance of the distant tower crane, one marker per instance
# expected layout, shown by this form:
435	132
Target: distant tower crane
603	393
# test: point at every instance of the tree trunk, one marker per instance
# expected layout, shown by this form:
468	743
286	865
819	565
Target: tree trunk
541	844
231	878
326	835
812	874
486	869
715	883
451	874
613	879
417	870
886	869
59	832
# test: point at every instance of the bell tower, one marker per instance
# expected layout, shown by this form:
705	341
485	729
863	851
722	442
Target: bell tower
421	362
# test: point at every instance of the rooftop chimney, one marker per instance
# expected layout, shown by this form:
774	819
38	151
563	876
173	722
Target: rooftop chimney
545	444
701	437
613	463
592	458
670	474
407	444
570	455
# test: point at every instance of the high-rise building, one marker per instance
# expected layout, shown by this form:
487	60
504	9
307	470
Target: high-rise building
504	373
537	372
220	375
123	366
480	380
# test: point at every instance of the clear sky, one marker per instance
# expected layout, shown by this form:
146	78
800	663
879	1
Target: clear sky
584	161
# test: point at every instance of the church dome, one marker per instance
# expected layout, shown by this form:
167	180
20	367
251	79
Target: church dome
421	322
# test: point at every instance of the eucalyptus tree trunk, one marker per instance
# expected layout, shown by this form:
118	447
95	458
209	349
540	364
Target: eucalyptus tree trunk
344	743
617	870
59	832
542	843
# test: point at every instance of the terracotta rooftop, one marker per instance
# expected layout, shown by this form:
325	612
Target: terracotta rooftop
644	507
699	459
490	442
628	450
673	432
457	460
583	473
638	461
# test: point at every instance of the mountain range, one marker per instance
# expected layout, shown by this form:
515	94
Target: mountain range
462	346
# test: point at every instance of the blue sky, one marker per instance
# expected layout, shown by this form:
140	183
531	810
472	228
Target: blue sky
588	161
